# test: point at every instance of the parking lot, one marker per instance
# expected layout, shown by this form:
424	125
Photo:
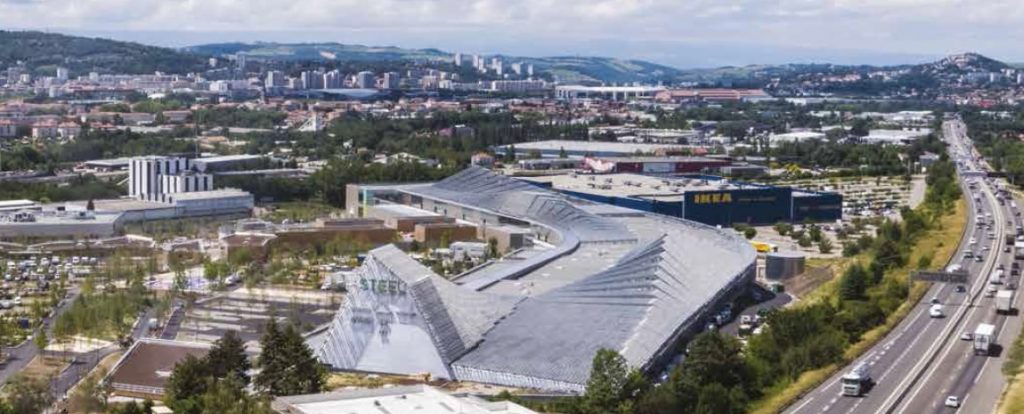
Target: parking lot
248	310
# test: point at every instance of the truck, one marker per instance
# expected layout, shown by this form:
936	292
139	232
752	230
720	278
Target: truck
983	338
996	278
856	382
1018	250
1004	301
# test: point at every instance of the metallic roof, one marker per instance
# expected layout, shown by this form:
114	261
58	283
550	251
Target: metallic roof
664	272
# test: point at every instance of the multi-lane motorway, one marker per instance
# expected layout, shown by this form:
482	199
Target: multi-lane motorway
923	360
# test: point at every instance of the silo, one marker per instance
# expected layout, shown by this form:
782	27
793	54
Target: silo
783	265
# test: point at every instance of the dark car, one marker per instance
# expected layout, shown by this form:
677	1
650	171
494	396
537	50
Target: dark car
961	288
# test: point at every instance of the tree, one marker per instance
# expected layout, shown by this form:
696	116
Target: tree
783	228
750	233
815	233
562	153
211	272
89	396
228	396
854	283
27	395
613	385
90	206
713	358
227	358
41	341
188	381
134	408
888	254
861	127
287	365
825	246
715	398
492	248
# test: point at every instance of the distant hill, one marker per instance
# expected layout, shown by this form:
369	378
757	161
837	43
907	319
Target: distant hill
961	63
564	68
318	51
43	52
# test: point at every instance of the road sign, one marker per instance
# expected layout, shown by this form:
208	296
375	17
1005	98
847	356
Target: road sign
940	277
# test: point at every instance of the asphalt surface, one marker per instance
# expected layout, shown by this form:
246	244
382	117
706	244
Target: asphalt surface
905	360
975	379
21	355
771	300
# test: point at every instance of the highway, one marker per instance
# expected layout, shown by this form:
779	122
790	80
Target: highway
907	364
975	379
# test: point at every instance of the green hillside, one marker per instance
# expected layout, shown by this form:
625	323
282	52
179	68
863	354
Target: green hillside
42	52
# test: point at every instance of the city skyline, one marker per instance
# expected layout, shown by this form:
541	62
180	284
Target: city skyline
691	34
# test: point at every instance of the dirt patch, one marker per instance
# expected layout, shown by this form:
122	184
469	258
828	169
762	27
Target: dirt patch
810	279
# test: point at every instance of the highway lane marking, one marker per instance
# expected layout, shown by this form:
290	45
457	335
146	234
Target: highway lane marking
961	313
981	371
962	247
968	356
801	406
905	350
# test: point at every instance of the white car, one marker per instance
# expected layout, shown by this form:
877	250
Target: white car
935	311
966	336
953	401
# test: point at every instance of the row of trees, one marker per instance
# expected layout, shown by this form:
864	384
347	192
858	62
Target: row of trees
104	315
77	189
998	138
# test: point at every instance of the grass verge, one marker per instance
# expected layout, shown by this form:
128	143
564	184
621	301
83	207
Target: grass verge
1013	399
940	242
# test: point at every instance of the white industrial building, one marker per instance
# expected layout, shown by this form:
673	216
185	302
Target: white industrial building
612	93
145	174
403	399
159	188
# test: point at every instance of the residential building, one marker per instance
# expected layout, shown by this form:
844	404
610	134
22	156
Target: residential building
392	80
365	80
8	129
44	130
275	79
69	130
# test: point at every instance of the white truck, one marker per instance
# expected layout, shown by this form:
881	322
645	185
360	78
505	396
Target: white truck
1004	301
856	382
984	336
996	278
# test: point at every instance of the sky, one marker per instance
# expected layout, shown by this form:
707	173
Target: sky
681	33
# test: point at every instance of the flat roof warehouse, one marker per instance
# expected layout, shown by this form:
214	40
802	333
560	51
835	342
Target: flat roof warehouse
598	276
703	198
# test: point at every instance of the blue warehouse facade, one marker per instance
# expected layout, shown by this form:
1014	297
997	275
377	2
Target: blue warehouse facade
751	204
